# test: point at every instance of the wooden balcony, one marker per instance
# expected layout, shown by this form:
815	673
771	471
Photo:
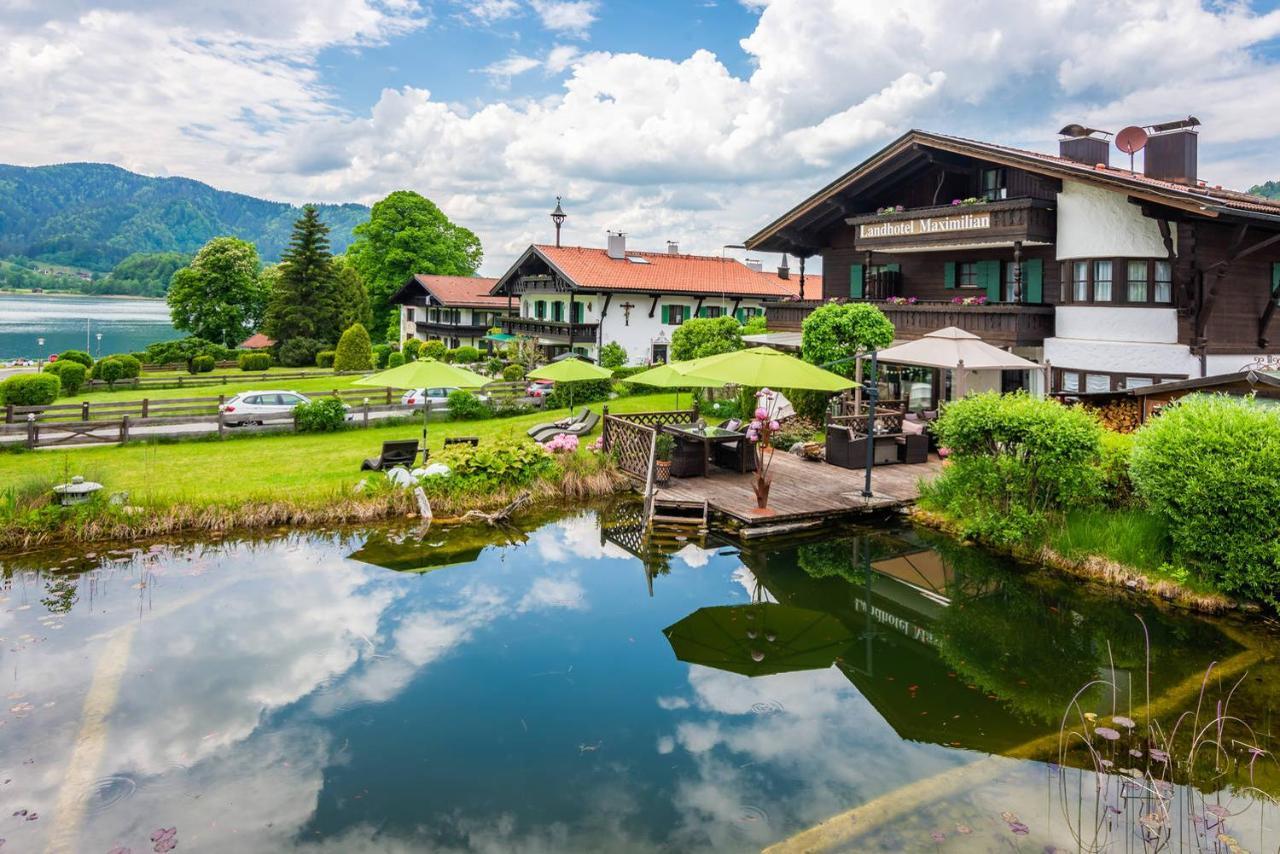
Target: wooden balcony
1000	324
558	331
452	330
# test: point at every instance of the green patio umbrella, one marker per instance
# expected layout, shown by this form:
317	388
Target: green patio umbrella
761	367
425	373
758	639
418	556
665	376
570	371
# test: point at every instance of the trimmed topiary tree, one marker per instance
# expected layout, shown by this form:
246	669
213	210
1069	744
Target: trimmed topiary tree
30	389
466	355
836	332
71	375
76	356
355	351
380	354
411	349
202	364
705	336
254	361
110	370
432	350
395	359
324	359
513	373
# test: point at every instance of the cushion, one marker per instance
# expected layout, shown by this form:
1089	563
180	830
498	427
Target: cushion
911	416
853	436
929	414
912	428
732	424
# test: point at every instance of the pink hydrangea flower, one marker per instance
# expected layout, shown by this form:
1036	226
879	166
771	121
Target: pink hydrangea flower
774	425
761	413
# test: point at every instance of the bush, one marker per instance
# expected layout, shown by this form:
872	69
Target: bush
355	352
71	374
1013	460
1113	468
1210	468
513	373
300	352
494	366
380	354
466	355
183	350
612	356
432	350
465	406
130	367
491	466
324	359
78	356
320	416
202	364
834	333
808	404
395	359
705	336
254	361
30	389
110	370
580	393
412	349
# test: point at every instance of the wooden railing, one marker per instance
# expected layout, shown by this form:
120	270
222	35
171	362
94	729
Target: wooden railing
584	332
205	380
630	438
1001	324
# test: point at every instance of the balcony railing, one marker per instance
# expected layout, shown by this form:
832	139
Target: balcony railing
998	323
427	327
553	329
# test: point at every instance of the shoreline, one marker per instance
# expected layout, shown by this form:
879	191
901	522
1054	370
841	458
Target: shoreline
63	294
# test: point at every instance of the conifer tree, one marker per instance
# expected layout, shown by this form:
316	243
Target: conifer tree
306	300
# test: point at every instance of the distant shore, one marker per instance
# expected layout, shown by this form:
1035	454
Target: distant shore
20	292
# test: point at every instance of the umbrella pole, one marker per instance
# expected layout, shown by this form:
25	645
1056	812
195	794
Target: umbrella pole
426	408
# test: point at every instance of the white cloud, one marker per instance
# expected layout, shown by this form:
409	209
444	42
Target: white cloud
489	11
561	57
573	17
503	70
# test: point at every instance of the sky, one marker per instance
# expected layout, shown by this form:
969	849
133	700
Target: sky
697	121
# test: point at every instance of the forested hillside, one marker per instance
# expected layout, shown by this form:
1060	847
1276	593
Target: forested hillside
93	216
1271	189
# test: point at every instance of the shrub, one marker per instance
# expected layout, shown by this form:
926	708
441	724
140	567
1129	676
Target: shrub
182	350
1113	468
130	367
110	370
355	352
254	361
380	354
513	373
494	366
465	406
755	325
300	352
30	389
320	416
809	405
432	350
466	355
613	356
1210	467
705	336
395	359
495	465
579	392
835	332
202	364
71	374
79	356
324	359
412	349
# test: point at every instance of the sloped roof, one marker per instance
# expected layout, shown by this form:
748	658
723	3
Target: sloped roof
660	272
257	341
454	291
1201	198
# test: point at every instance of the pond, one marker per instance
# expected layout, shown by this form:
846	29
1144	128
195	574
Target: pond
572	689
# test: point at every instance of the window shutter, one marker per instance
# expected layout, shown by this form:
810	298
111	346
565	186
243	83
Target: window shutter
666	315
949	274
1275	281
578	312
741	315
855	281
989	278
1033	281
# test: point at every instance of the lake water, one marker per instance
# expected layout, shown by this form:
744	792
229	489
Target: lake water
570	690
126	324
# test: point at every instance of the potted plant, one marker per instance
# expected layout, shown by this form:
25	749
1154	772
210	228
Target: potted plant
760	433
663	445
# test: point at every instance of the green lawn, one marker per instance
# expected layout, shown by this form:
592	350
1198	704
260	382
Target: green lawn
237	381
306	466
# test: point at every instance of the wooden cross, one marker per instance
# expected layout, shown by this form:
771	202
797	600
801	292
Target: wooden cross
626	313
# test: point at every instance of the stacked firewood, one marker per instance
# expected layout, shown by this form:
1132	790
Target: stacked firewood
1122	416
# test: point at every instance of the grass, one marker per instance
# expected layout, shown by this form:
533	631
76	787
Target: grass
1129	536
297	467
237	381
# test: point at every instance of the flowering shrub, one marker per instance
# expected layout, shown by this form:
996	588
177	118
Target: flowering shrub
901	300
564	443
982	300
598	445
890	209
972	200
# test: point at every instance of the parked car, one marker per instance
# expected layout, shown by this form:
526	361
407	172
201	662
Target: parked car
250	407
437	397
539	388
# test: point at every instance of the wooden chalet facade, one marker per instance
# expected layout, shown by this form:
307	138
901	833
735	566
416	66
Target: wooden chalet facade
574	298
457	310
1116	279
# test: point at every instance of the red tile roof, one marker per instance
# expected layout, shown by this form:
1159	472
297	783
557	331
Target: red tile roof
812	283
666	273
256	341
461	291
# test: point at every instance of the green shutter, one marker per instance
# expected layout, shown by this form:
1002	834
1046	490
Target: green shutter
557	311
666	315
741	315
989	278
540	309
1033	281
704	312
578	311
893	268
1275	280
949	274
855	281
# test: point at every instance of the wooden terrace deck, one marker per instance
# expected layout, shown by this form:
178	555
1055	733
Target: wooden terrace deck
804	493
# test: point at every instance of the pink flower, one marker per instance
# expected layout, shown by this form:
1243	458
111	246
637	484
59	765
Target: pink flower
761	413
955	201
753	435
756	425
774	425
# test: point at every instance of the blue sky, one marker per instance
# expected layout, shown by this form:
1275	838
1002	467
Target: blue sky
668	119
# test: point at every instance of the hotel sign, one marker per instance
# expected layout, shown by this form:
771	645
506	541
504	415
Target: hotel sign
929	226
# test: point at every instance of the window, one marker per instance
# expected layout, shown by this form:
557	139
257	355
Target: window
993	184
578	313
557	311
711	311
1137	279
1070	381
408	315
674	315
1097	382
967	275
540	309
1137	382
1163	282
1102	281
435	315
1011	286
1080	281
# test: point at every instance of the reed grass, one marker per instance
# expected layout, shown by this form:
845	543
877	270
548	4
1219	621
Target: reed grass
1129	536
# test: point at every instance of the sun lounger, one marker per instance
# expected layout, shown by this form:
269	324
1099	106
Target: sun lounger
578	428
397	453
560	424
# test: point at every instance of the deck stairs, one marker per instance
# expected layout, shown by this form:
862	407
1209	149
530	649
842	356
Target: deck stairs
676	519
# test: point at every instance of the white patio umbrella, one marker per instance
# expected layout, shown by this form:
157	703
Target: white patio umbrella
952	348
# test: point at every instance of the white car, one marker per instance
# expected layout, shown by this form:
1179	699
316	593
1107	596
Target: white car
437	397
250	407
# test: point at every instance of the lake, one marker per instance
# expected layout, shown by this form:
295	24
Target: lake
572	689
126	325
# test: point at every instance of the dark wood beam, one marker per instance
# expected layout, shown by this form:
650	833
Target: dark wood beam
1264	320
1211	298
654	305
604	309
738	301
697	308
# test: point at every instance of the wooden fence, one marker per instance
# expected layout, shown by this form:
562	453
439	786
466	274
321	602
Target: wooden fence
630	437
208	380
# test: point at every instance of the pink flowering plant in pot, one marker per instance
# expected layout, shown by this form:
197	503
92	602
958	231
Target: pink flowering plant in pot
760	432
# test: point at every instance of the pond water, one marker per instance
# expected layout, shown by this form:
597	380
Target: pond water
571	690
127	325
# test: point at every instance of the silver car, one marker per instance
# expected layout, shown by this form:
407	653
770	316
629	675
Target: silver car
250	407
437	397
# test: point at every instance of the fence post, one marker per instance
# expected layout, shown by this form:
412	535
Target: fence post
8	413
222	399
179	380
33	432
146	407
366	413
388	395
221	423
84	411
124	429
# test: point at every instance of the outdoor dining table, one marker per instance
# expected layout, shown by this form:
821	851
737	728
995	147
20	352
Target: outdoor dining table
707	436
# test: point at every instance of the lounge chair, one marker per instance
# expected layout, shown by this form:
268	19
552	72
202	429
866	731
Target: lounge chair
398	453
578	428
533	431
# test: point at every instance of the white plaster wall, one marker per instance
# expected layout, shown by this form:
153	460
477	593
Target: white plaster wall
1137	359
1103	323
1097	223
408	328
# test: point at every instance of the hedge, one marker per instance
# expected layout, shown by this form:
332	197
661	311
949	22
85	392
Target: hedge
395	360
71	374
130	368
254	361
354	352
202	364
320	416
30	389
324	359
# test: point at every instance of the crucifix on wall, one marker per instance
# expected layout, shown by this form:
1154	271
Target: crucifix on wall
626	313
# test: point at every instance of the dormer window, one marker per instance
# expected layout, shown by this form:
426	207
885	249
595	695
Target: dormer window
993	184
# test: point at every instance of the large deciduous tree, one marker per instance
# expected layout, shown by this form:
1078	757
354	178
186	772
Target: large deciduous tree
407	234
306	300
834	333
219	295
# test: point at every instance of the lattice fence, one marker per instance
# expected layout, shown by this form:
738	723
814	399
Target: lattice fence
630	443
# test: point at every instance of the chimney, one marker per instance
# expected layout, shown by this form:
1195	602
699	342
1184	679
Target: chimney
673	248
617	245
1084	145
784	272
1171	151
754	264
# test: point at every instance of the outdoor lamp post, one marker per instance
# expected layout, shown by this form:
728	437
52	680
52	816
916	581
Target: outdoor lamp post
873	393
558	216
40	361
99	345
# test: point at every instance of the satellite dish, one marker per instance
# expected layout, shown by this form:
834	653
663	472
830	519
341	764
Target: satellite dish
1131	140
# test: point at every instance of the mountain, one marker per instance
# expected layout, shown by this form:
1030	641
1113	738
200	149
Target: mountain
93	215
1270	189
